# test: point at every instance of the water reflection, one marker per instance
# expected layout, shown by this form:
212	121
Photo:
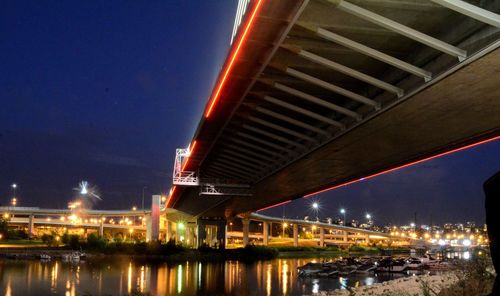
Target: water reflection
276	277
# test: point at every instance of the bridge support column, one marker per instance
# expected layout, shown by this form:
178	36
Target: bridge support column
149	235
367	239
168	230
31	226
344	238
201	233
221	234
155	217
265	233
321	237
246	230
295	235
101	227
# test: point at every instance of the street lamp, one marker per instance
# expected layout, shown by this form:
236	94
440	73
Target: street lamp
143	188
315	207
368	216
342	211
13	201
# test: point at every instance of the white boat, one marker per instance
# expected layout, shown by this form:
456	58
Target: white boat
414	263
44	257
366	268
392	265
310	269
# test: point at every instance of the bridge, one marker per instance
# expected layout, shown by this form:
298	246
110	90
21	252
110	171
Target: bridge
186	229
317	94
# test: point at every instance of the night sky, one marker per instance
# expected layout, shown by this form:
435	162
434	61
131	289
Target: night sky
104	91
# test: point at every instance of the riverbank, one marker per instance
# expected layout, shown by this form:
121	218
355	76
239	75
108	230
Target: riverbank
176	253
409	286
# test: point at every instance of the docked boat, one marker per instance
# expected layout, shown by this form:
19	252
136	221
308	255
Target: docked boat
44	257
392	265
347	269
414	263
310	269
367	268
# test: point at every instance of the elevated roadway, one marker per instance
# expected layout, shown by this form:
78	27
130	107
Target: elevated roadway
322	93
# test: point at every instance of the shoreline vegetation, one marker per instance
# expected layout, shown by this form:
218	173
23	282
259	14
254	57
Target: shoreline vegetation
98	247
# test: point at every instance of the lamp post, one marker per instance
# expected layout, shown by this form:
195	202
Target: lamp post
143	188
315	207
369	218
13	201
342	211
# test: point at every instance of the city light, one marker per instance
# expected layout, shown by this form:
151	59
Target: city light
368	216
466	243
134	208
315	205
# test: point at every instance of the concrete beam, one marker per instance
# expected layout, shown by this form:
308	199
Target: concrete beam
265	233
295	235
402	29
246	230
472	11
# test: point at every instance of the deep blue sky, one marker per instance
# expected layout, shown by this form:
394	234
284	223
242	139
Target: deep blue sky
105	91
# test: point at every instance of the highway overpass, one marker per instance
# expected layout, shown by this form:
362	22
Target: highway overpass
316	94
184	228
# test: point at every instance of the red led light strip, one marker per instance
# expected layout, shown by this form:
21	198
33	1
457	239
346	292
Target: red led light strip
406	165
191	149
169	201
276	205
392	170
233	57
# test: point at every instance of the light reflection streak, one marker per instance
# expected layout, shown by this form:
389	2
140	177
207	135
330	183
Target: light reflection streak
53	277
285	277
141	282
129	278
199	275
315	287
8	289
268	279
179	279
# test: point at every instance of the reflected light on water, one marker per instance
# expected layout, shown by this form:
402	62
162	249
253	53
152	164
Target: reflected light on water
8	290
275	277
199	275
53	277
315	286
141	282
285	277
369	281
179	278
343	282
129	278
268	278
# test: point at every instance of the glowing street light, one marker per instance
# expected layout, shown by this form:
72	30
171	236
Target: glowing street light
342	211
315	205
13	201
134	208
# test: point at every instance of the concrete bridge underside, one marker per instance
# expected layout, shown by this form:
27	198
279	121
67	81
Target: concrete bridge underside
287	120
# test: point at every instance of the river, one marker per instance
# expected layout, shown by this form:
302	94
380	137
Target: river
274	277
